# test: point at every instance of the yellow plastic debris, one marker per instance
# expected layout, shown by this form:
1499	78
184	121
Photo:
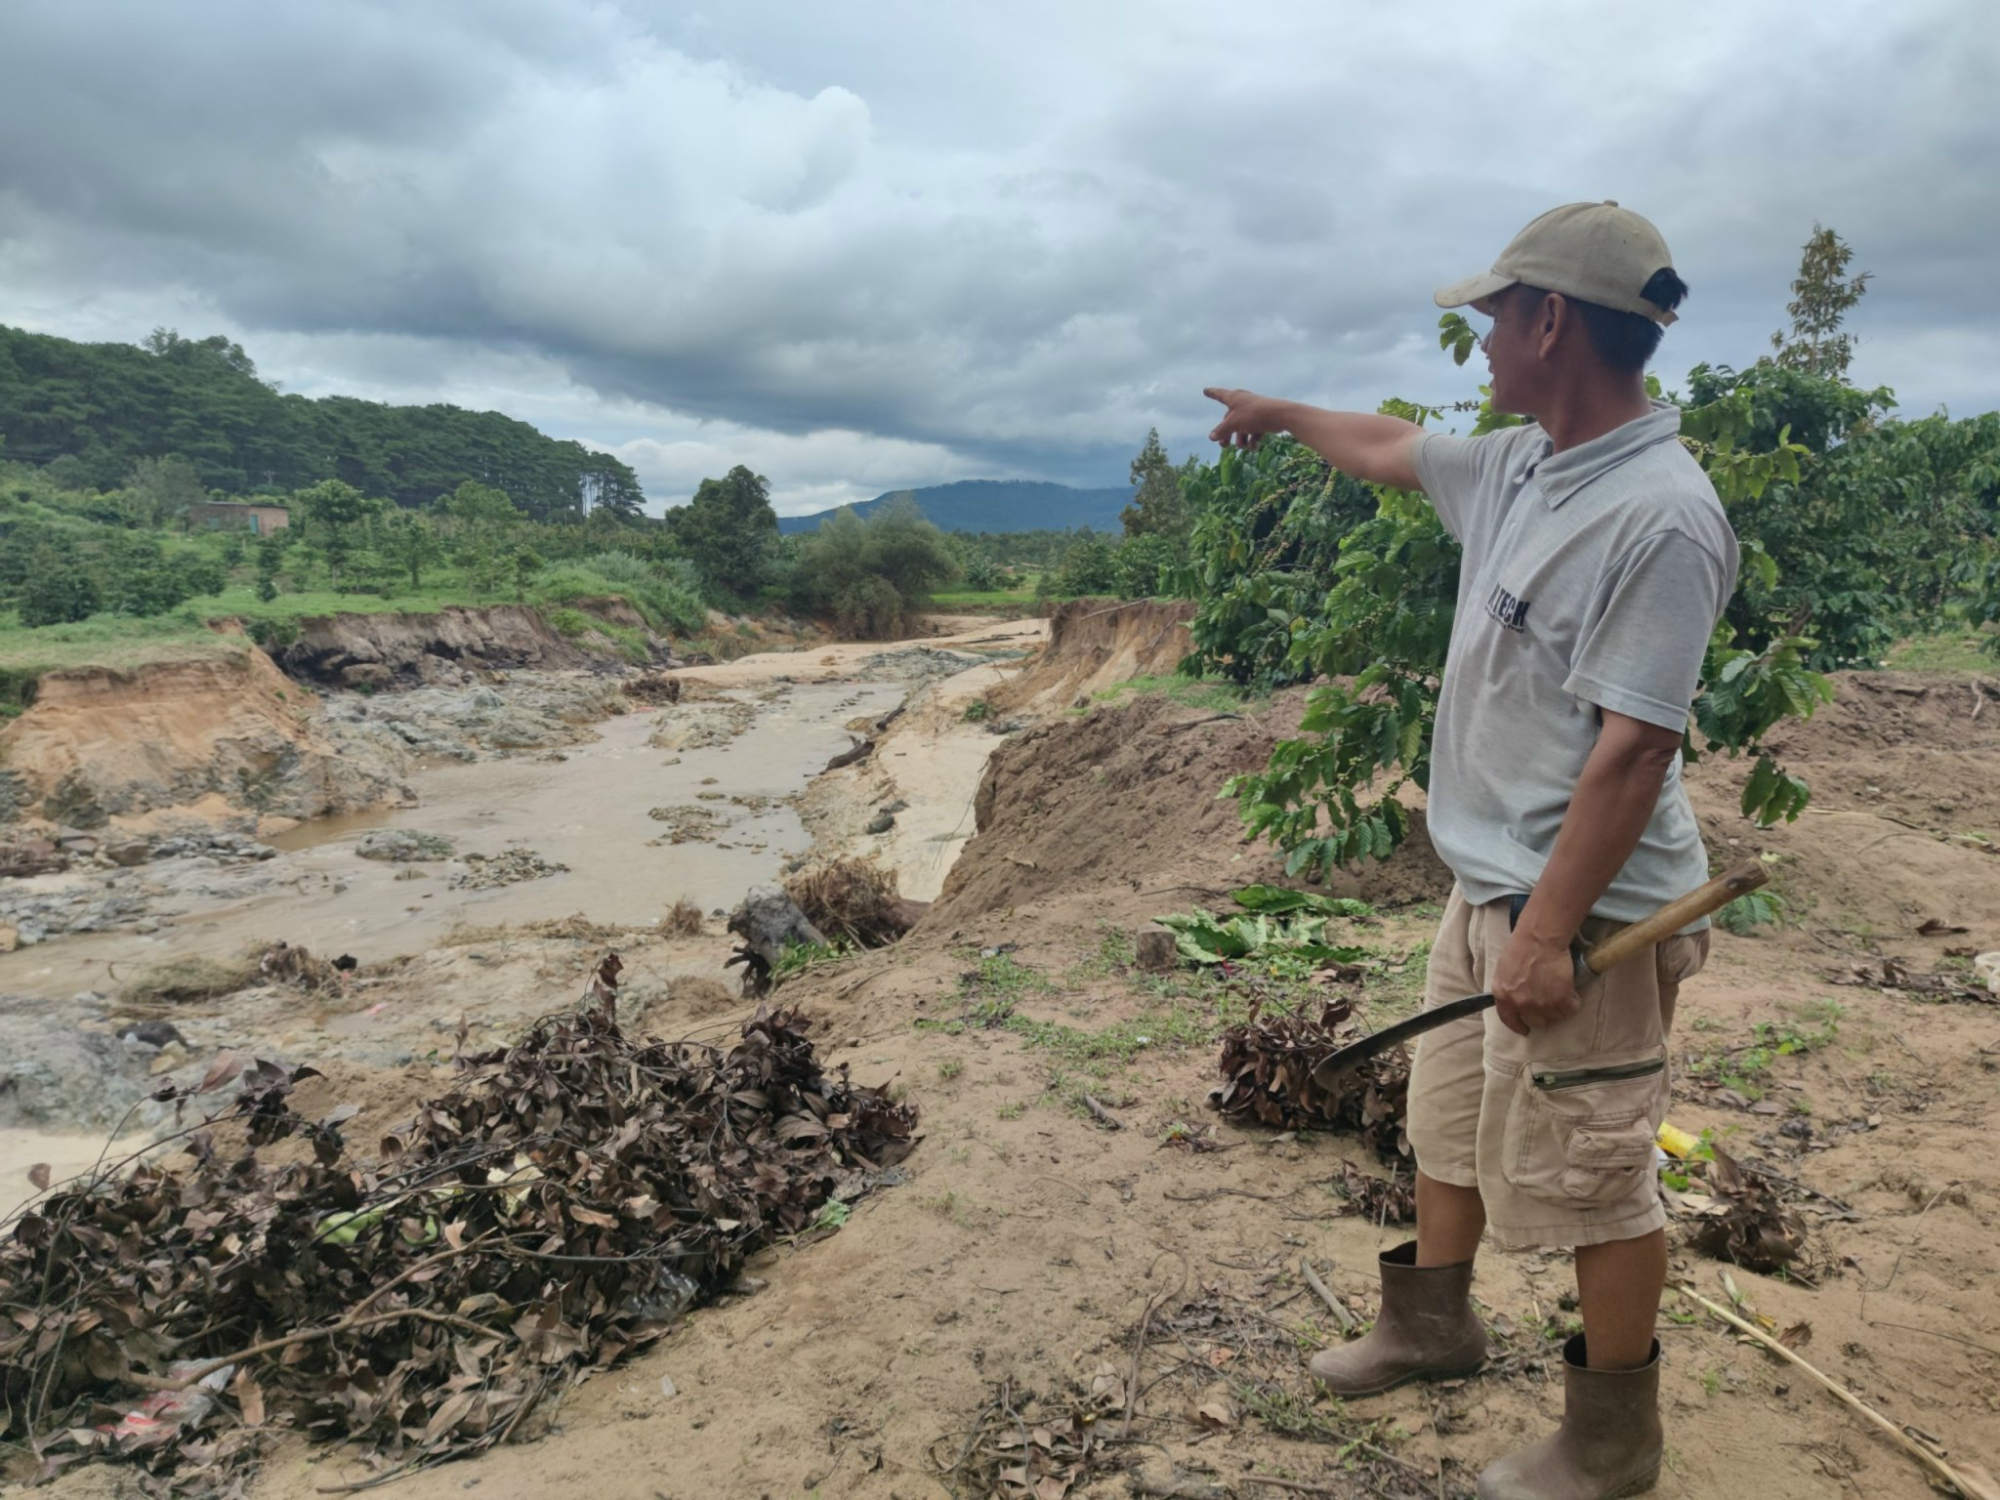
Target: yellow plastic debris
1677	1143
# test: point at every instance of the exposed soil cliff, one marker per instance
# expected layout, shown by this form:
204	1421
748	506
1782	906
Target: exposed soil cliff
1095	644
100	744
408	649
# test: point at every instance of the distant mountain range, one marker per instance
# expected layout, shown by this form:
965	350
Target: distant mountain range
996	505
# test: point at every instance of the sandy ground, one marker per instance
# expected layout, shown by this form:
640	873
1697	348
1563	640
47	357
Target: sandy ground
1035	1251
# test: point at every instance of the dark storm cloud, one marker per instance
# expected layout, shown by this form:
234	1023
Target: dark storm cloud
990	239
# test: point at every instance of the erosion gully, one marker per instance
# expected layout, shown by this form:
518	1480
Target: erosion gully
585	808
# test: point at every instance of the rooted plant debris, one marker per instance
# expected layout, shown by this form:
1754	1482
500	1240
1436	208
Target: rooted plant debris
485	871
555	1210
683	919
1755	1228
1022	1447
854	901
1384	1200
186	980
1267	1071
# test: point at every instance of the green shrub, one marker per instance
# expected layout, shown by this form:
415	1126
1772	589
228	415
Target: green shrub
58	591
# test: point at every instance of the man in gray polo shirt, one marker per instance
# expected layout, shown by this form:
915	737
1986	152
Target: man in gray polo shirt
1597	561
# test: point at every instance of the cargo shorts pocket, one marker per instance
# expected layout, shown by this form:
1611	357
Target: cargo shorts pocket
1580	1132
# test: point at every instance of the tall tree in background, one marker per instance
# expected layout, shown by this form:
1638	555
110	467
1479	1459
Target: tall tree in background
1821	299
872	574
334	516
165	487
1158	508
730	530
411	542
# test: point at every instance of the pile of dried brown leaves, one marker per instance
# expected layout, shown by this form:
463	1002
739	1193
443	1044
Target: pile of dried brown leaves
1267	1077
558	1208
1383	1200
1021	1447
1755	1228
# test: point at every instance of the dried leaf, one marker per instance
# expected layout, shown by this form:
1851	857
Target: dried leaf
38	1174
1755	1228
544	1166
249	1398
1938	927
225	1067
1267	1068
1215	1415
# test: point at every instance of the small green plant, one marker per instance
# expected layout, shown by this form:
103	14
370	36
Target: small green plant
799	957
832	1215
978	711
1013	1111
1753	909
950	1068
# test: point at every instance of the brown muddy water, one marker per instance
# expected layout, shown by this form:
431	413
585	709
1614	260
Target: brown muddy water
588	810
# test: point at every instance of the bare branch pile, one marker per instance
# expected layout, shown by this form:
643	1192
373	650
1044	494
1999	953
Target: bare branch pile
555	1210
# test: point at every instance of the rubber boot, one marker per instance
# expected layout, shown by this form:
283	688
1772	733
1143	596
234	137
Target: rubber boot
1608	1445
1427	1330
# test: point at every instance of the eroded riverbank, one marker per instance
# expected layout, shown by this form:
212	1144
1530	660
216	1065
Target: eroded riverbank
613	822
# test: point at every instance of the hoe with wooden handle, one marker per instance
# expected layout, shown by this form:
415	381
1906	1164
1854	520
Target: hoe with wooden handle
1614	950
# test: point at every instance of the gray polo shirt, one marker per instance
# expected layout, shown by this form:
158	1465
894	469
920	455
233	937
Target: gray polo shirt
1592	580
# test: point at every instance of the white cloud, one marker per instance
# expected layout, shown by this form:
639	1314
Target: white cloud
859	249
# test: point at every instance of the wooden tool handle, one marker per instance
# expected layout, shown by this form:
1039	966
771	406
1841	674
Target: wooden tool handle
1672	917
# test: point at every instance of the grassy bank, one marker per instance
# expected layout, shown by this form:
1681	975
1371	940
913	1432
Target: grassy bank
123	643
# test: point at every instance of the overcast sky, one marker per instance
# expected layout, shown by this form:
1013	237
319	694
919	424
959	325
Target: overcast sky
864	244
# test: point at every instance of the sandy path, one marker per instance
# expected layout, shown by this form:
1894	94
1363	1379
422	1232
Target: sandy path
844	658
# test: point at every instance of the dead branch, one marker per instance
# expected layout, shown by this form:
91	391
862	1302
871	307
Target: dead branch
1101	1114
1340	1314
1934	1465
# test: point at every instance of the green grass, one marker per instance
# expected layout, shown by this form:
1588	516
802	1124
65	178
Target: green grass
1960	652
1193	692
989	599
117	642
1810	1027
123	643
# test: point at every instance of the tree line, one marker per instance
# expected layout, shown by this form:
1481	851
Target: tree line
89	412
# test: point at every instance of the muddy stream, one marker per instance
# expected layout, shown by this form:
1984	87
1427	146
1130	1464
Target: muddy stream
588	810
692	800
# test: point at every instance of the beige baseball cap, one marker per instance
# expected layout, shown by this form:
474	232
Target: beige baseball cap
1595	252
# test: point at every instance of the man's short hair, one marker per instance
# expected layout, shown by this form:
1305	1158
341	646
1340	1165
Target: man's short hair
1626	341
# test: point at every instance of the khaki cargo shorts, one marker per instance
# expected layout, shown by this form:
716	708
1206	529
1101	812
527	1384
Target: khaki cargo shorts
1554	1128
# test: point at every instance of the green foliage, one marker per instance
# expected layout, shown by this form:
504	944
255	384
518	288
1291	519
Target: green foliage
1751	910
527	563
411	541
58	591
331	517
729	530
165	487
1158	508
1145	567
871	574
1267	533
1276	900
100	409
1090	566
1289	946
1744	695
1852	527
1821	299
